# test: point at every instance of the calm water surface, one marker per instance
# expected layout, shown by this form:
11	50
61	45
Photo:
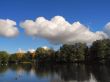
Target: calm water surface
54	73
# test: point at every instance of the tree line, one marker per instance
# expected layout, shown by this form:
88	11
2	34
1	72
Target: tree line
98	52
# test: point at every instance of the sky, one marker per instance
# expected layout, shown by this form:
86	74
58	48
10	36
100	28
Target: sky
29	24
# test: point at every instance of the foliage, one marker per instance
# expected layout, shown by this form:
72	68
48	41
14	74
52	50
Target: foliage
73	53
98	52
13	58
4	57
44	55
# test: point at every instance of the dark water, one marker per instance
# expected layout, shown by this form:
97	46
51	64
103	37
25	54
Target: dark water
54	73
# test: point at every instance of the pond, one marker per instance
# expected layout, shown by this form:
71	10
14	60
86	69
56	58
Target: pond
54	73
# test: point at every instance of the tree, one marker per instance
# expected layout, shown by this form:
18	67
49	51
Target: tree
20	56
80	51
73	53
13	58
30	56
4	57
99	51
67	53
44	55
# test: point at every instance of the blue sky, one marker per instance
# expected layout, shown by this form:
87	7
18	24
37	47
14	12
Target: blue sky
92	13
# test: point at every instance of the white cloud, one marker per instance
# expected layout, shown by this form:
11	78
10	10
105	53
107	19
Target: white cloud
58	30
45	47
31	50
21	51
107	29
8	28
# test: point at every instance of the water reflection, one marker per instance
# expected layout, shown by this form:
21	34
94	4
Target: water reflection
101	73
54	73
3	68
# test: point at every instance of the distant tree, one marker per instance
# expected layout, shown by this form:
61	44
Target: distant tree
100	51
73	53
51	55
44	55
30	56
80	51
67	53
4	57
41	54
20	56
13	58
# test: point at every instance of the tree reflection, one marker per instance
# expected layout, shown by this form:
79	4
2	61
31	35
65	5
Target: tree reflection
65	72
17	67
101	73
3	68
74	72
62	72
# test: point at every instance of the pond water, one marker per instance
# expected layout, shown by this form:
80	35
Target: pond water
54	73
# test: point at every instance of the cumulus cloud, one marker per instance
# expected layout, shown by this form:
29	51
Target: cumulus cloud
31	50
59	31
8	28
107	29
21	51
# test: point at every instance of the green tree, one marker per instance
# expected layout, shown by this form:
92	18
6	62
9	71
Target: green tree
44	55
99	51
73	53
4	57
80	51
13	58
